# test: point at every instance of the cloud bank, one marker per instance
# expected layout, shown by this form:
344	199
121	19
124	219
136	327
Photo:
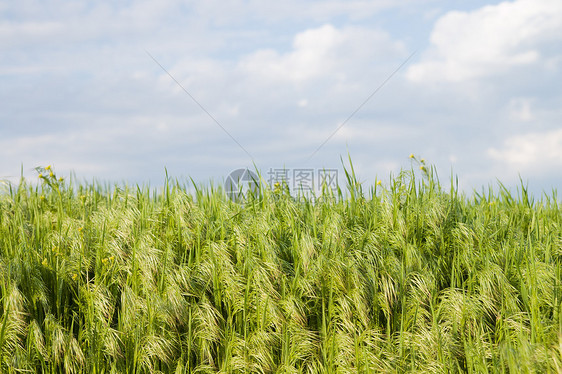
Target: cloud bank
78	91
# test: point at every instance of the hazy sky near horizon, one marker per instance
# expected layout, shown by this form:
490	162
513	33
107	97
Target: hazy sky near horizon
481	96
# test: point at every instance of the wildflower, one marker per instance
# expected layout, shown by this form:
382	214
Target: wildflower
104	260
422	160
48	168
51	174
74	276
422	168
61	179
379	182
40	175
44	262
411	155
42	197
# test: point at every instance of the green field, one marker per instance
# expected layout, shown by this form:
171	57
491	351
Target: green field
405	277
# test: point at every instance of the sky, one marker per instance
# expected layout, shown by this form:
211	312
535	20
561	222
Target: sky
123	91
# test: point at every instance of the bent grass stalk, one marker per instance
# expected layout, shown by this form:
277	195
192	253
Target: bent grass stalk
404	278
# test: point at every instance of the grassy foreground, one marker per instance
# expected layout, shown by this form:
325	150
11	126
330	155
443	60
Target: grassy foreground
407	277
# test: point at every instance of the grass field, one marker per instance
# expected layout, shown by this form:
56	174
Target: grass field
405	277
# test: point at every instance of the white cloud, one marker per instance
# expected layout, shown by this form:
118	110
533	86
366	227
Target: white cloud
230	11
322	52
532	153
109	143
490	40
80	92
520	109
13	33
313	55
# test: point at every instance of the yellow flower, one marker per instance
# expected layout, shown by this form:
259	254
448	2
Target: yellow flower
379	183
422	168
411	155
48	167
422	160
40	175
51	174
44	262
74	276
42	197
61	179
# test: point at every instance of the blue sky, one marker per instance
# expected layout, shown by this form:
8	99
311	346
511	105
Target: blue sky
481	96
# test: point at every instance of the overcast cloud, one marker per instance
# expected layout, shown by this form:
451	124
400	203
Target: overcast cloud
481	95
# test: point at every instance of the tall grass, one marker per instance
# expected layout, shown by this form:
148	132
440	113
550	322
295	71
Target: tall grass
407	277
